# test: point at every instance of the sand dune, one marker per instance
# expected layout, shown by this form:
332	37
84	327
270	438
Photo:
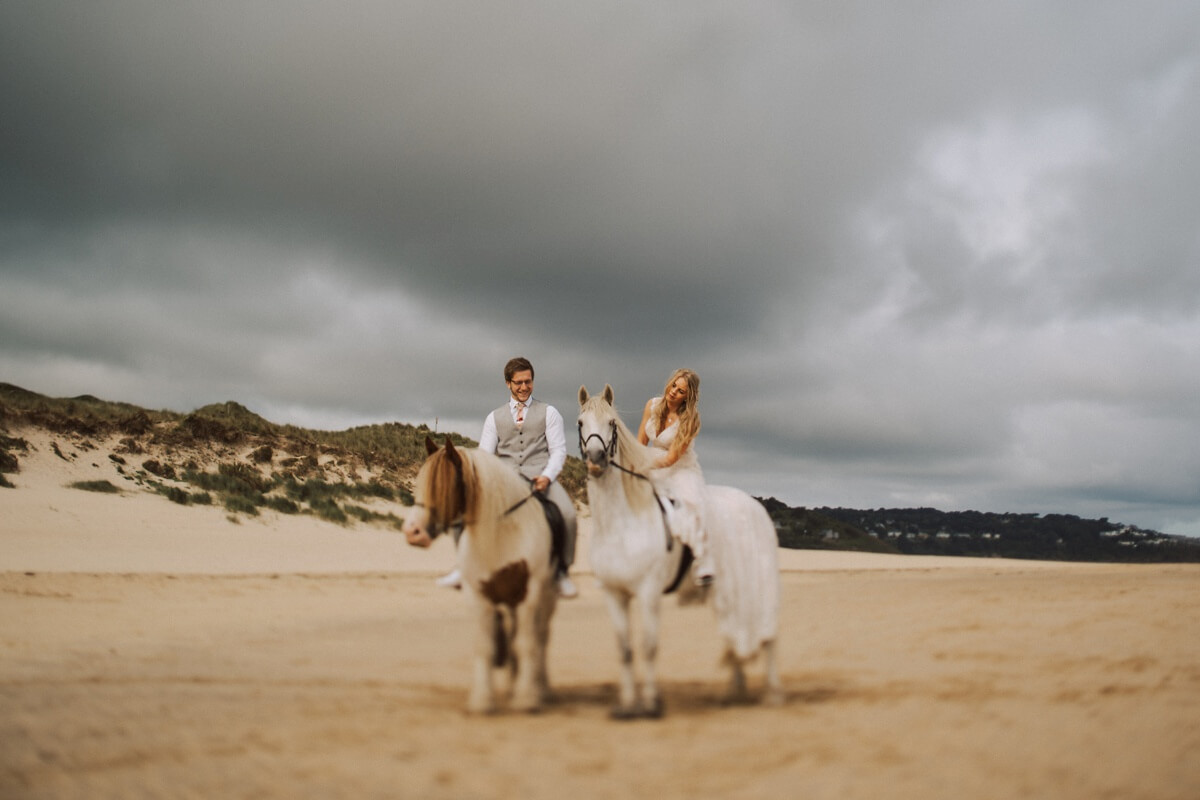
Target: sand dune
152	650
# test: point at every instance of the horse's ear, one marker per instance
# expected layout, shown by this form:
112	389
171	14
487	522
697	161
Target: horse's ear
583	395
430	447
452	453
608	394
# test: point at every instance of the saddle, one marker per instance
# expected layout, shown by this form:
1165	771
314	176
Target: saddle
558	530
558	538
686	559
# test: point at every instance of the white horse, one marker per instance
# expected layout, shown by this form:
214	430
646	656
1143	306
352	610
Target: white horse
505	559
633	555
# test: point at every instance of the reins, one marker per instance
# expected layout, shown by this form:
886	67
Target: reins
461	522
519	503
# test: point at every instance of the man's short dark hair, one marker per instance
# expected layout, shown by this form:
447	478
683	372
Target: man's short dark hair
515	365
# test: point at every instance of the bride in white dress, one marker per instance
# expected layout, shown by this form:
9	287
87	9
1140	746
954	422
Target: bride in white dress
669	426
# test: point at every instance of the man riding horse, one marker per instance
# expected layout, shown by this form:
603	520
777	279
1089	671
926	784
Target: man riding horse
528	435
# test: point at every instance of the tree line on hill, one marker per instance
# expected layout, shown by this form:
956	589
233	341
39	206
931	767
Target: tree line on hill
928	531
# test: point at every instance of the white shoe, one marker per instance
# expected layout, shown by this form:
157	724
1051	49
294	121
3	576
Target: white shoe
451	580
567	588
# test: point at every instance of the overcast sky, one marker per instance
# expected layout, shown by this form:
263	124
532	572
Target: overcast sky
925	253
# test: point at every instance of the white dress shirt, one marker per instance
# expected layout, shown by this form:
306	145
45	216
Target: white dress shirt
556	440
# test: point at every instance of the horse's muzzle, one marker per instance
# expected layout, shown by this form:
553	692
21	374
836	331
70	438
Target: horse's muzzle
595	456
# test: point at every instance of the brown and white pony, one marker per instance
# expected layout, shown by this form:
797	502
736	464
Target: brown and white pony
630	557
504	556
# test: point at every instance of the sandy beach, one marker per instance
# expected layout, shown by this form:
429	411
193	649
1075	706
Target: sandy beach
151	650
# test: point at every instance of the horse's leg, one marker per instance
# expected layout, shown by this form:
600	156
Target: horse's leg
650	599
774	696
526	696
482	699
545	612
618	609
737	678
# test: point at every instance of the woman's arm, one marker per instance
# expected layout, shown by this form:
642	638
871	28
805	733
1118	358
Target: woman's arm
674	453
642	437
670	458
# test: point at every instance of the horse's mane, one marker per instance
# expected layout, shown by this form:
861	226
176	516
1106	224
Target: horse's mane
443	494
631	454
505	486
447	498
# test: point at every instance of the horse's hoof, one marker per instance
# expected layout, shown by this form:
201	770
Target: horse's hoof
481	707
481	711
527	706
655	710
624	713
774	698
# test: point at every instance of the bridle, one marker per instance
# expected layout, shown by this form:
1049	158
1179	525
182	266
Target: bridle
610	447
436	529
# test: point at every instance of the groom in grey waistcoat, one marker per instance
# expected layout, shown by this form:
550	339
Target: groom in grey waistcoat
528	435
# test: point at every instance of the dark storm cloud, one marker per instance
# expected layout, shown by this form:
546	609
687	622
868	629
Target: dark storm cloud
928	253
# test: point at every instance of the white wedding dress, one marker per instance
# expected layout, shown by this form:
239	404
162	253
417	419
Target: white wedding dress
682	484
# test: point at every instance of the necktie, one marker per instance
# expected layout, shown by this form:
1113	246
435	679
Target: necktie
520	413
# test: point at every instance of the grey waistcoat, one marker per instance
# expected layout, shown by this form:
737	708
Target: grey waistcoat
524	449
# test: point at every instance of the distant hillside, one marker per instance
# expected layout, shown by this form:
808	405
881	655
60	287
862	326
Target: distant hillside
804	529
224	453
928	531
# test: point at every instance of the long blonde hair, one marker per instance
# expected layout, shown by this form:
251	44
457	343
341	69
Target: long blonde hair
689	411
